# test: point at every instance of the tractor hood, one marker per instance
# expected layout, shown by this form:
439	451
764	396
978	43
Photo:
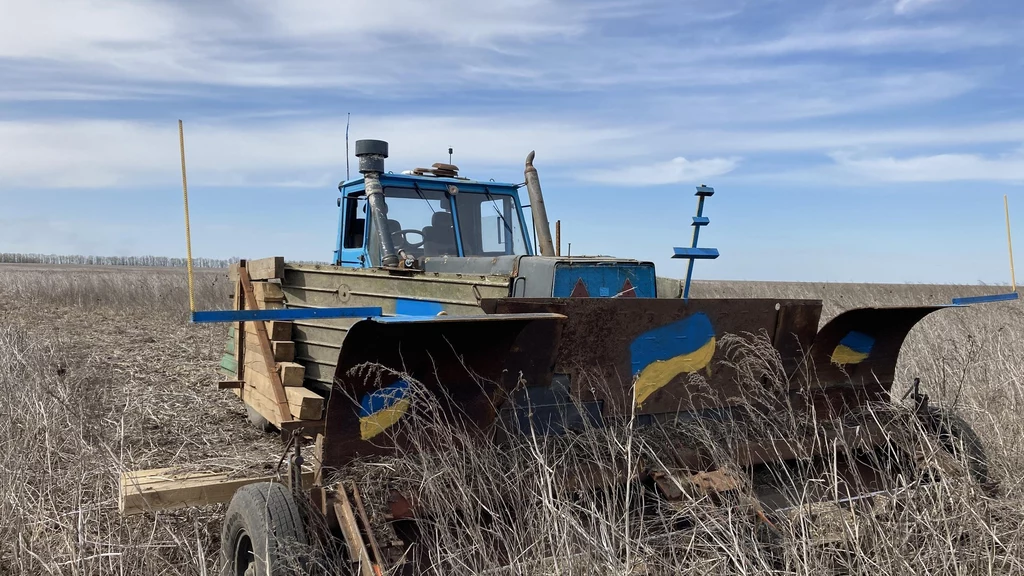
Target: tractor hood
565	277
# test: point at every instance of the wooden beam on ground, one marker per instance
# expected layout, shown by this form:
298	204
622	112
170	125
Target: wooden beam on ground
267	351
163	489
350	529
266	268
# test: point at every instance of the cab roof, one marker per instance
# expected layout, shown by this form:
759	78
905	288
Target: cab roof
432	183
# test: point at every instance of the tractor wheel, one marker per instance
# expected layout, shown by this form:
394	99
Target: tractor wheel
959	439
263	534
257	420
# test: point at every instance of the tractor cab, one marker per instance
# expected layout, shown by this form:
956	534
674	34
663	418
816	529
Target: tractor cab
430	215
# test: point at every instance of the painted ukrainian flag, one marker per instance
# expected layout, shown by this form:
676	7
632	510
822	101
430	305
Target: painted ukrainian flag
854	348
662	353
380	409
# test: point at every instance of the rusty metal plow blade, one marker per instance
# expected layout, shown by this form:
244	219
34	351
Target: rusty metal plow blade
463	368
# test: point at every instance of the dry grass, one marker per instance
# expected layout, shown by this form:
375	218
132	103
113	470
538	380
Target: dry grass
99	372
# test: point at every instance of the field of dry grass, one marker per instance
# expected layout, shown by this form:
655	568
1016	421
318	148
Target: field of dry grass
100	372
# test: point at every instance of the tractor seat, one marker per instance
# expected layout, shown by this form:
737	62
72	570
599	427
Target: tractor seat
439	237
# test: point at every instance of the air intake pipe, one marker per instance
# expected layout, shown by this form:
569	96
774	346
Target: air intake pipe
371	154
540	215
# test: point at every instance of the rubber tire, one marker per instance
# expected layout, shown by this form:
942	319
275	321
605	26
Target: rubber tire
257	420
960	440
267	515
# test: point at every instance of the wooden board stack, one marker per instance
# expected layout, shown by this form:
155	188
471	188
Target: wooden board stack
243	350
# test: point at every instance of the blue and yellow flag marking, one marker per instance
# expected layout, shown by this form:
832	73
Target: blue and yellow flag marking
854	348
660	354
380	409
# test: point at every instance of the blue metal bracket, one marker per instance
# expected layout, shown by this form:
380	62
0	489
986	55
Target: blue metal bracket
968	300
217	316
693	252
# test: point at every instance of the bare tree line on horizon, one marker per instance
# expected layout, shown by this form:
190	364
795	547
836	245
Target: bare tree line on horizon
75	259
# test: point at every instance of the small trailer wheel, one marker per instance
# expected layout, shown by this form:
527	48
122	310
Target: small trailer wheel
263	534
961	441
257	420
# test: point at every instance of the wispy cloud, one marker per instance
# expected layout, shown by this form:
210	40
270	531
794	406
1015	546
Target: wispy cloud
909	6
675	171
1007	167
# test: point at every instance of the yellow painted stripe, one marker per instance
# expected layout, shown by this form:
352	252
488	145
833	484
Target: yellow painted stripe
374	424
845	355
657	374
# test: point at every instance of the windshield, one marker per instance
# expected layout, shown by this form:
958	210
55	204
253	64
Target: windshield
420	222
489	225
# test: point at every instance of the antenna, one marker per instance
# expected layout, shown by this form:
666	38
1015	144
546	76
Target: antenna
348	120
1009	242
449	154
1012	295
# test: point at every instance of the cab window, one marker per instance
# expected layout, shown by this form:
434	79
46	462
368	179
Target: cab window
489	224
419	222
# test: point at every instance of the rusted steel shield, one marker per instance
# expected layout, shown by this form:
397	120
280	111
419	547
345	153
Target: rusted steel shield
467	363
638	356
859	348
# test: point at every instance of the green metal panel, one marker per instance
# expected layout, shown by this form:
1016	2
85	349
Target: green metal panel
317	342
229	346
229	363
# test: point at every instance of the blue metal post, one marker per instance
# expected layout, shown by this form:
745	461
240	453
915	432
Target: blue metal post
693	253
696	235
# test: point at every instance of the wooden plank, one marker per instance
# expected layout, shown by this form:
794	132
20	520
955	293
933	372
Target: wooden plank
268	353
265	269
291	373
294	377
262	305
283	351
350	529
261	404
277	330
303	404
155	490
267	292
229	384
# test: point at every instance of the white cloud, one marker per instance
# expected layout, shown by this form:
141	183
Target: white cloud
674	171
909	6
936	168
114	153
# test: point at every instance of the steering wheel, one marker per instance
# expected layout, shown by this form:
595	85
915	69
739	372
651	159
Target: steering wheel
403	236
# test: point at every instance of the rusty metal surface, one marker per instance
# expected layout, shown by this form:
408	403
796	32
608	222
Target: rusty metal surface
475	362
595	344
469	364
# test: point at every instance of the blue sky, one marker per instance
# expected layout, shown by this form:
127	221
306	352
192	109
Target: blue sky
847	141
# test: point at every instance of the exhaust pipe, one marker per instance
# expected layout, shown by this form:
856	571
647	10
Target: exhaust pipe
540	215
371	154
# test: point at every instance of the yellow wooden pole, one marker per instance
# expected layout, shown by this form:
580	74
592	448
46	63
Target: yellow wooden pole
1009	241
188	232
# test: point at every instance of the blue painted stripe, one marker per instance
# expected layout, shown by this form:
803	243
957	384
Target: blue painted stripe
858	342
697	253
213	316
678	338
382	399
409	307
967	300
